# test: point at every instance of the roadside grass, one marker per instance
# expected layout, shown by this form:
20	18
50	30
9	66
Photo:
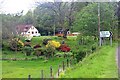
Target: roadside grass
100	64
21	69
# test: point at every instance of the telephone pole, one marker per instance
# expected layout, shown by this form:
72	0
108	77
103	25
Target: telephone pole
99	23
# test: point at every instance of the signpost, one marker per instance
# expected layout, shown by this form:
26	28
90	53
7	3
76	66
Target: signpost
105	34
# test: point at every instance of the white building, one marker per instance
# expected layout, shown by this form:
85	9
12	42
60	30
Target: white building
27	30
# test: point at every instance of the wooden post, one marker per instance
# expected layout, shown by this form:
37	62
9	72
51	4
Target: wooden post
63	66
111	41
51	71
70	62
100	41
42	74
29	77
67	63
58	70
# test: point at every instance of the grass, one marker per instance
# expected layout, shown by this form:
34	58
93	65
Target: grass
100	64
12	54
21	69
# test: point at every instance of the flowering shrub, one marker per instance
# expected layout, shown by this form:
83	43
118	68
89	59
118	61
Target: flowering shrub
49	51
54	44
16	44
37	46
45	41
64	48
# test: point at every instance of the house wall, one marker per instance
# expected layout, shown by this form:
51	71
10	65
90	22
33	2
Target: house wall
32	31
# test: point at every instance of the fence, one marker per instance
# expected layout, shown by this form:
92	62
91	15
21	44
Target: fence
65	64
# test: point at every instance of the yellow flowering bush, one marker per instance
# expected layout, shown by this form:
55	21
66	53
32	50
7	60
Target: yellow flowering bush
21	42
54	44
16	44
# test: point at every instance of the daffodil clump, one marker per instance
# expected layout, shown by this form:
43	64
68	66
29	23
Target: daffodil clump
53	43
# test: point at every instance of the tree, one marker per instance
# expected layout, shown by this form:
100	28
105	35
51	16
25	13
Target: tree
9	23
118	15
27	19
57	15
87	19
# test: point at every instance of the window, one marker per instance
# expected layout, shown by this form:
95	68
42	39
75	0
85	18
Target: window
32	32
28	32
36	31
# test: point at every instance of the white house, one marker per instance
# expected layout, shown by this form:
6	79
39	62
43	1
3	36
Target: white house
27	30
75	33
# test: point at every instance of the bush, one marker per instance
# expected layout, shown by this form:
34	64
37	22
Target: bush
28	50
64	48
5	45
37	46
45	41
39	51
55	44
16	44
93	47
85	40
27	44
80	54
49	51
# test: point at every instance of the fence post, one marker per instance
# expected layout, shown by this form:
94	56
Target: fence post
29	77
58	70
70	63
42	74
63	66
51	71
67	63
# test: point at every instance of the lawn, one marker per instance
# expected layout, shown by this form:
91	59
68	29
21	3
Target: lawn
21	69
98	64
101	64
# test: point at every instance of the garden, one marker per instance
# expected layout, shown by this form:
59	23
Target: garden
21	57
67	46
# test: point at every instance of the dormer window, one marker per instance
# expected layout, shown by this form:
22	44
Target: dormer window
36	31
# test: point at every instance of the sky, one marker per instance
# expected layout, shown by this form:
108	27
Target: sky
16	6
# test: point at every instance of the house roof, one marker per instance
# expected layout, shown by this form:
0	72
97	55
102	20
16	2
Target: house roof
23	28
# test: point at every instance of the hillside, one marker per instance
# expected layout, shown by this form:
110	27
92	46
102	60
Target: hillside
101	64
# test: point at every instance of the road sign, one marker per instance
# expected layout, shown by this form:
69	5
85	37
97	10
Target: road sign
105	33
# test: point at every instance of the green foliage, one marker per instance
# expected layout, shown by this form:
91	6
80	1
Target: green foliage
16	44
80	54
39	51
87	19
49	51
45	41
85	40
28	50
97	65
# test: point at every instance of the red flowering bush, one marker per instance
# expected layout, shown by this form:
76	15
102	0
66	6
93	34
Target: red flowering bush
37	46
64	48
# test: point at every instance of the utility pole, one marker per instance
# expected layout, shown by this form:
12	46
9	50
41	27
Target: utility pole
54	20
99	23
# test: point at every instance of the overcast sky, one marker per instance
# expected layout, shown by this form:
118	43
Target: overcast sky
15	6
